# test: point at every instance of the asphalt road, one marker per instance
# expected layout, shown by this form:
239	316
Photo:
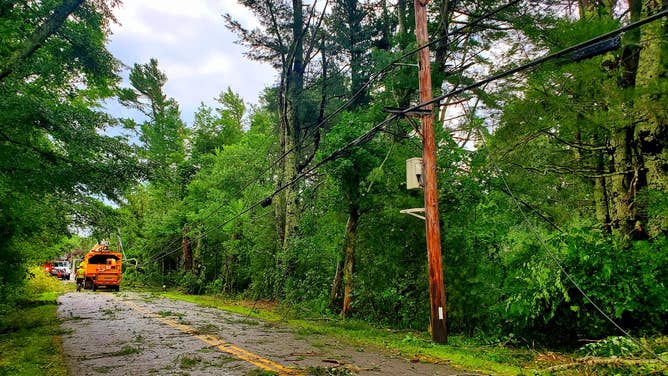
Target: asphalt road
136	334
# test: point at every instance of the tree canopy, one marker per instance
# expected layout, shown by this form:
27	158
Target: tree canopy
553	186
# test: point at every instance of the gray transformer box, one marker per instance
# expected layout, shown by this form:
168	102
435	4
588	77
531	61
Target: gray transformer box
414	173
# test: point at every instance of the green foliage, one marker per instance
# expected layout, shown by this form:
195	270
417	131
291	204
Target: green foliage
56	151
626	283
611	346
191	283
34	347
30	331
538	193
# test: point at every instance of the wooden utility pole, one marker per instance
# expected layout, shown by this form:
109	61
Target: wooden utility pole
436	287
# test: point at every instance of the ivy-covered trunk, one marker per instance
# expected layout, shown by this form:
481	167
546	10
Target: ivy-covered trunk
349	264
651	107
291	119
640	160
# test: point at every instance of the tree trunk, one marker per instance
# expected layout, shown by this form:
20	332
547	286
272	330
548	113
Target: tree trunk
620	210
601	198
624	183
296	78
357	79
401	17
442	46
349	264
335	292
651	104
290	117
187	250
35	41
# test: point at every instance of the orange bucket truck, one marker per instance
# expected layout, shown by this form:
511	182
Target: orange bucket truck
102	268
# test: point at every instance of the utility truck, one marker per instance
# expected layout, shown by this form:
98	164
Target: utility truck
102	268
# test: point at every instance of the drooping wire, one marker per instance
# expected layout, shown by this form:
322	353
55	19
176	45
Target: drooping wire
454	92
555	260
369	134
372	79
562	53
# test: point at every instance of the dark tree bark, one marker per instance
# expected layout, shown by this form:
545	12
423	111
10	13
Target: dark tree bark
349	263
35	41
335	292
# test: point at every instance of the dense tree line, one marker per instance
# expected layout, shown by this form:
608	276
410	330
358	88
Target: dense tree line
55	156
552	182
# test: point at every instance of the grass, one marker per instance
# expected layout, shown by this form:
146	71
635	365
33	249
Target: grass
418	347
30	335
263	311
190	362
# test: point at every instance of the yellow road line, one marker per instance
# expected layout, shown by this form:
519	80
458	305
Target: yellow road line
221	345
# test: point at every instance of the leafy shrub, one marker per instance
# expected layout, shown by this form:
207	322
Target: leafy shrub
627	282
40	282
611	346
215	286
191	283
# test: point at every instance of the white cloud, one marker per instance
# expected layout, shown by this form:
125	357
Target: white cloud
193	47
240	13
217	63
200	10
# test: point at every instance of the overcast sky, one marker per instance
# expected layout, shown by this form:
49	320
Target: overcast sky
193	48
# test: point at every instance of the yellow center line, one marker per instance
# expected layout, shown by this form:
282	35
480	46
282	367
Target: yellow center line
214	341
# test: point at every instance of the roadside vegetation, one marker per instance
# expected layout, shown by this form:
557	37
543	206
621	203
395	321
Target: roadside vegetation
30	342
552	181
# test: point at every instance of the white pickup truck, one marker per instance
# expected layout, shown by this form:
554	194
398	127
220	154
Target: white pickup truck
61	269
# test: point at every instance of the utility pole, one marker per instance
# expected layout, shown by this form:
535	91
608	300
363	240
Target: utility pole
436	287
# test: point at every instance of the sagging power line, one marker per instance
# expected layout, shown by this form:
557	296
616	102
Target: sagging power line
379	75
370	133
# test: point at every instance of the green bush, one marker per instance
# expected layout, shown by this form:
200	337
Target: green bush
627	282
611	346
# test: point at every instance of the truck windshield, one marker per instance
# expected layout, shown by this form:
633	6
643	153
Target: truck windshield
101	259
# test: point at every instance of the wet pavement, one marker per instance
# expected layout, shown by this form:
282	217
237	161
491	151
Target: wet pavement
130	333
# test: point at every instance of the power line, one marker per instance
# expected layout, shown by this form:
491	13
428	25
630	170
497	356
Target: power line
392	64
374	77
563	270
536	62
369	134
334	155
459	30
200	236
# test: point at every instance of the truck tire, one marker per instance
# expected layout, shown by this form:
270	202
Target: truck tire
88	284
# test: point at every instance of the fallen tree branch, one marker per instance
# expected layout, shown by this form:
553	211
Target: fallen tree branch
594	361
